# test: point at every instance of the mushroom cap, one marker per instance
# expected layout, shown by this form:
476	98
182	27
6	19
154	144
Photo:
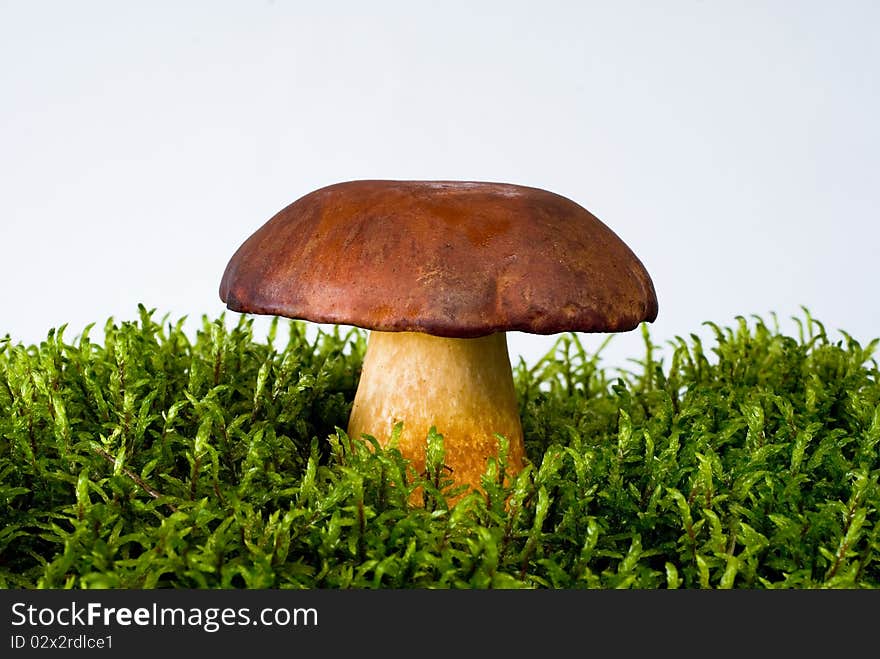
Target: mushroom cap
448	258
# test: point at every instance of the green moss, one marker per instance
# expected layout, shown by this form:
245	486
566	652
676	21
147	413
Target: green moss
153	460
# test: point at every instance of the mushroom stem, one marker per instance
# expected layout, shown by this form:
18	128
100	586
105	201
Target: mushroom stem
463	387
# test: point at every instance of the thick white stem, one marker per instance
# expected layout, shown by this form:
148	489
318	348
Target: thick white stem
463	387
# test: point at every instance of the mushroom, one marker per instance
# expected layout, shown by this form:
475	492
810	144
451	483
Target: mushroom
439	271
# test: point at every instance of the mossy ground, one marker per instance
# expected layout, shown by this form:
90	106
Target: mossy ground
153	460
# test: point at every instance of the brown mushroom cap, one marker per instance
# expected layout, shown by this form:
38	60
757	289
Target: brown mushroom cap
449	258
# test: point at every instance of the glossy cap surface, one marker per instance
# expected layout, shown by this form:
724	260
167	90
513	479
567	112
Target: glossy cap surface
449	258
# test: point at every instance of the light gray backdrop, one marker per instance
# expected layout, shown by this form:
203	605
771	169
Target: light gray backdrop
733	145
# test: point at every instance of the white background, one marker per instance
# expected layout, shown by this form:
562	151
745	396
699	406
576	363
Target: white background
733	145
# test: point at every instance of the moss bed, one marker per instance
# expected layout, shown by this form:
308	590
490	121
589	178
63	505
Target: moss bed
156	460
